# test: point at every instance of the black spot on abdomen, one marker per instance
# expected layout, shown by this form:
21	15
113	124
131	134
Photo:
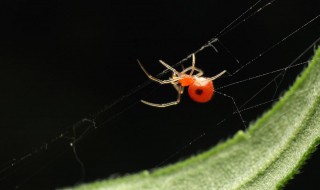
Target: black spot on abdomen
199	91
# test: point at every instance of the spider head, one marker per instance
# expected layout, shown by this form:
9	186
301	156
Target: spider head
186	80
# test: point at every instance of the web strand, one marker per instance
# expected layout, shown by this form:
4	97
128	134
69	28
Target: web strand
234	23
276	44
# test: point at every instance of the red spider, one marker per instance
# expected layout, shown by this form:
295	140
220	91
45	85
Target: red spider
200	88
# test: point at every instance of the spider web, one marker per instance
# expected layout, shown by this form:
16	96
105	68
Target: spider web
238	77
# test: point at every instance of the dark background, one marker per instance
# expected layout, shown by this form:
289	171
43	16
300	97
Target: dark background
62	61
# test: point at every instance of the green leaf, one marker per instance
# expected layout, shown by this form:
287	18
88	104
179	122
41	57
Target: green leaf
265	157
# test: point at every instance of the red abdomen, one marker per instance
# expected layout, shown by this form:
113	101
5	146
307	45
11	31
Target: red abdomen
201	90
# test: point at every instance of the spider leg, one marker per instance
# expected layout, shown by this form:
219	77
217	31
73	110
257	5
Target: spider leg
156	79
179	90
193	64
169	67
200	72
182	66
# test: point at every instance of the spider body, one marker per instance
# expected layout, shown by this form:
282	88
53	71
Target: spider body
200	88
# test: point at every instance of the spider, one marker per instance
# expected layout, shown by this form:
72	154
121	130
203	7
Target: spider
200	88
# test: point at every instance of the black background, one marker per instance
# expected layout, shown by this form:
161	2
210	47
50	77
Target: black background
62	61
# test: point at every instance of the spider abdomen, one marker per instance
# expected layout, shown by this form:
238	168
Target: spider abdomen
201	90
